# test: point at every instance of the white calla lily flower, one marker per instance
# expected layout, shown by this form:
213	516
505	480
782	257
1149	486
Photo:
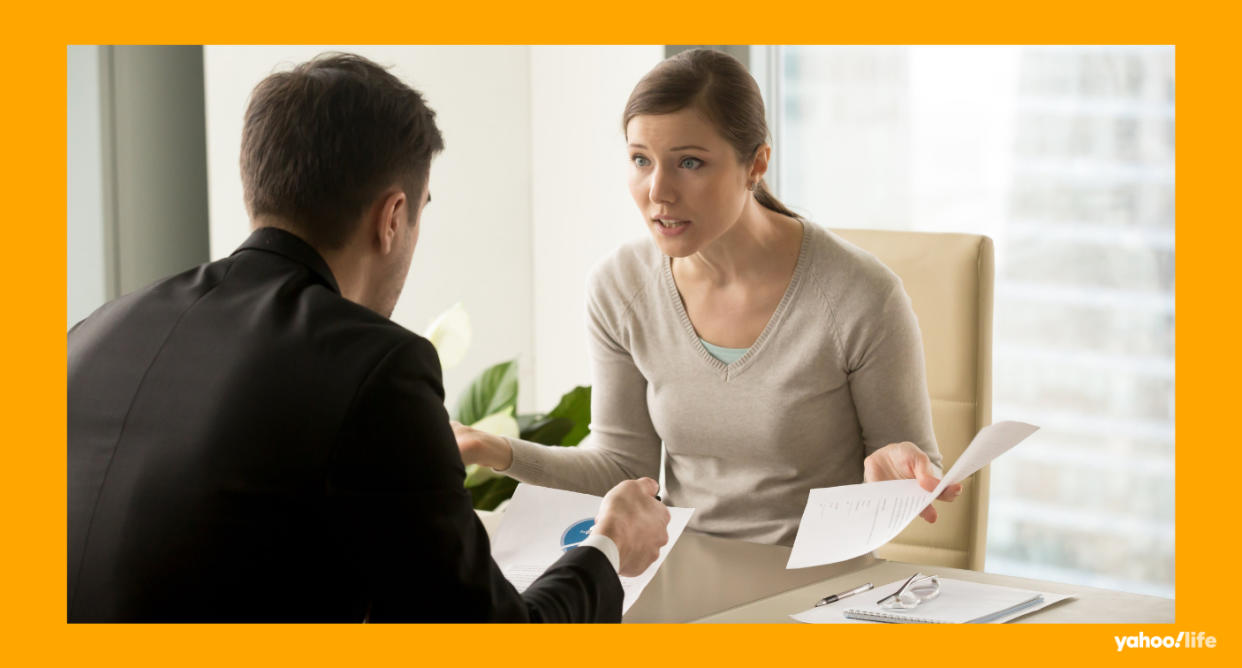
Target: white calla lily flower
450	333
477	474
501	424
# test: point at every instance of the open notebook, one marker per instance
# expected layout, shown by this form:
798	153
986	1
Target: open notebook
960	602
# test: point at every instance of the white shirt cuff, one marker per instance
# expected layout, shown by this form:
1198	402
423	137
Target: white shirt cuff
604	544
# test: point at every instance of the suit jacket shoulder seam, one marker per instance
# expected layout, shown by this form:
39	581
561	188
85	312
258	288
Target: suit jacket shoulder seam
86	541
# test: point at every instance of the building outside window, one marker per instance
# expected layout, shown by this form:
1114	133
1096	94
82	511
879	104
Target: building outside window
1065	157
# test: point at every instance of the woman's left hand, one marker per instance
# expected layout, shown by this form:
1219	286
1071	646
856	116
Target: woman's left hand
905	461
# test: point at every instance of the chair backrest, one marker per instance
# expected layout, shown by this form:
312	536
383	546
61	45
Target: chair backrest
949	279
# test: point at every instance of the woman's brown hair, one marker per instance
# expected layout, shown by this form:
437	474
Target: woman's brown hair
718	86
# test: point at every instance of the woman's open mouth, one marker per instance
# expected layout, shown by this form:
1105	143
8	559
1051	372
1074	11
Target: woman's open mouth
670	226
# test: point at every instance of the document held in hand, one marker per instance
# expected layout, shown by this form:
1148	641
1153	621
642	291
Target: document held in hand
540	524
844	522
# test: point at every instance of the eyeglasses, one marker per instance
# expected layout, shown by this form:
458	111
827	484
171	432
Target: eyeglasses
917	589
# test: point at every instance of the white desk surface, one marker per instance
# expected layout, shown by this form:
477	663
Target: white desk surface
707	579
1089	606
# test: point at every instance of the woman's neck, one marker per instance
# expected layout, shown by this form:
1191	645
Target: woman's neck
762	243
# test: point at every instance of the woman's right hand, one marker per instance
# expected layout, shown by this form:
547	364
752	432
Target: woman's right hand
480	447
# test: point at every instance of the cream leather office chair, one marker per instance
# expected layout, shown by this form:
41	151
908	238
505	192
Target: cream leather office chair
949	279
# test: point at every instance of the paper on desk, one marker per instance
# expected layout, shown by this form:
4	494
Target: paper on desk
844	522
834	613
540	524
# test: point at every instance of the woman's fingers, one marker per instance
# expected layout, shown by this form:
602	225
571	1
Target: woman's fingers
951	492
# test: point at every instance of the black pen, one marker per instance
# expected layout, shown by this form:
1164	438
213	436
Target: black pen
837	597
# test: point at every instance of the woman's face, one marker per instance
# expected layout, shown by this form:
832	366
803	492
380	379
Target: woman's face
685	179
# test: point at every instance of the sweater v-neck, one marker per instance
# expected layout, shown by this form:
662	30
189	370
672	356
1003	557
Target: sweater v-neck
728	371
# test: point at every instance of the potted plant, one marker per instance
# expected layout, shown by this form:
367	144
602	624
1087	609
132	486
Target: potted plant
489	404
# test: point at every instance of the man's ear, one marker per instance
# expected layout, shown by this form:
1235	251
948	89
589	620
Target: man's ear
390	214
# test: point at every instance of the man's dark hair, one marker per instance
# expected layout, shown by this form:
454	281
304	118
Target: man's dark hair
323	140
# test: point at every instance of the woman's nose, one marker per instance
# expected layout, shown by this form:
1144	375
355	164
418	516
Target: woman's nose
661	186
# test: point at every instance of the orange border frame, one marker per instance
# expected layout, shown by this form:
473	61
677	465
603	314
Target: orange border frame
33	486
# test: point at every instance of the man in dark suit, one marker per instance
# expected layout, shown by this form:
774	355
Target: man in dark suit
255	440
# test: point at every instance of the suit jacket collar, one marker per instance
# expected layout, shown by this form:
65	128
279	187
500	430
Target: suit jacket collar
289	245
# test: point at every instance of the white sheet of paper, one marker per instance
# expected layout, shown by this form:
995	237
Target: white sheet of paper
540	524
833	613
844	522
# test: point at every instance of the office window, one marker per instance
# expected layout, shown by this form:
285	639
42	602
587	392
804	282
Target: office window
1065	157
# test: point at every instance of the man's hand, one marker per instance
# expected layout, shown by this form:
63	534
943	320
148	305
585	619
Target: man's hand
903	461
632	517
480	447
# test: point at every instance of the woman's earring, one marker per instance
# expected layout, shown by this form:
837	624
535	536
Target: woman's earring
752	185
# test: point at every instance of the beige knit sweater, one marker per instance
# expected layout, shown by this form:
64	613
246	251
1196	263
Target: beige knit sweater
836	374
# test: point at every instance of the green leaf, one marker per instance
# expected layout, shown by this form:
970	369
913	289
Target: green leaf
548	431
495	391
491	493
525	420
492	392
574	406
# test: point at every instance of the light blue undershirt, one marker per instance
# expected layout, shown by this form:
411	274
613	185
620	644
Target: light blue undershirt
726	355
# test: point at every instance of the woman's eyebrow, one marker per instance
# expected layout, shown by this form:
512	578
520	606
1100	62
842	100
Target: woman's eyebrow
677	148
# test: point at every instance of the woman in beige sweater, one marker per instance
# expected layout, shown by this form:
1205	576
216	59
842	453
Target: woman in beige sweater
764	353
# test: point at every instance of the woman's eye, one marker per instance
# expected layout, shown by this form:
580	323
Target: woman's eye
691	163
640	161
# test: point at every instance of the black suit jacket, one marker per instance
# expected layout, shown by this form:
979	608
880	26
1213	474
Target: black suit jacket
245	444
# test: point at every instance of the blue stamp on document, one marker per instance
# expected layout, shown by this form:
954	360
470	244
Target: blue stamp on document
576	533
